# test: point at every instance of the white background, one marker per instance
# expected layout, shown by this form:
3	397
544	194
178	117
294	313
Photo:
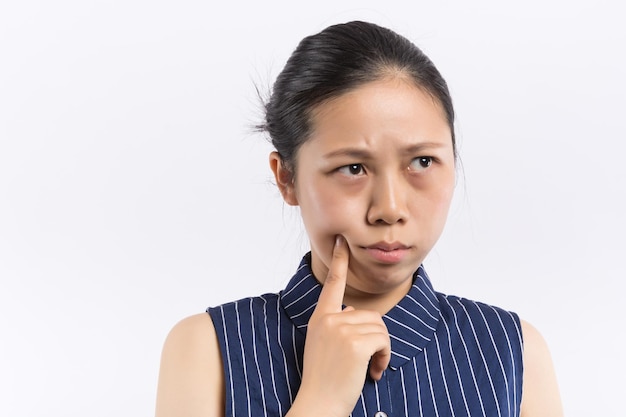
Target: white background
132	193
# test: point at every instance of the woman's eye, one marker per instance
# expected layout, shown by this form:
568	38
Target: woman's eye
421	163
351	170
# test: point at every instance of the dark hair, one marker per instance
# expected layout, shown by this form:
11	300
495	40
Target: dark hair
339	59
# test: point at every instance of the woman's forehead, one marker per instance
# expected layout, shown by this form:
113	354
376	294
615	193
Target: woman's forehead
382	110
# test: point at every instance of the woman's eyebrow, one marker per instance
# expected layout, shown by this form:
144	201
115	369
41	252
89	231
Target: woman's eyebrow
419	147
360	153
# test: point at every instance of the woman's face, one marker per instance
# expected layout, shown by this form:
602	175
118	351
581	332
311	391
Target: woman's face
379	170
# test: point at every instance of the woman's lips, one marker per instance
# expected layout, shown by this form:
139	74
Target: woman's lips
388	253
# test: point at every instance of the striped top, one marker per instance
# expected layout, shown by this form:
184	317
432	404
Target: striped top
450	356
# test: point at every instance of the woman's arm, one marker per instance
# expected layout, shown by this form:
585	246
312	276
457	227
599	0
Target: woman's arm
191	380
540	392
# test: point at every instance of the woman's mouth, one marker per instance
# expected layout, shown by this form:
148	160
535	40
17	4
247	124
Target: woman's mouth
388	253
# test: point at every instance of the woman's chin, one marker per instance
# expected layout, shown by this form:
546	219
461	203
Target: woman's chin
380	279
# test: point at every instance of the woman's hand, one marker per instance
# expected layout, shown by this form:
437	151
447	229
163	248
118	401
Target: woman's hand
340	345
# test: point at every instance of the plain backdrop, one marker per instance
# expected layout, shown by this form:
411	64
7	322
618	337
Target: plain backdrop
133	192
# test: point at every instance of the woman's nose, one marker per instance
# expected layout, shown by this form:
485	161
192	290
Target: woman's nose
388	203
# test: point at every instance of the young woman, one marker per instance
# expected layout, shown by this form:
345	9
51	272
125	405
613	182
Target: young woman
362	123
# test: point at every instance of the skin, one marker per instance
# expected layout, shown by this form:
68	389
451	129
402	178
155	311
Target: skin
378	167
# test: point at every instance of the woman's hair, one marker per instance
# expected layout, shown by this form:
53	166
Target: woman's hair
339	59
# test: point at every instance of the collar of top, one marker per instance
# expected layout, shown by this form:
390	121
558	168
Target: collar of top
411	323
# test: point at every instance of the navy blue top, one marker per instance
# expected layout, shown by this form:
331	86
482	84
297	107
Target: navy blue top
450	356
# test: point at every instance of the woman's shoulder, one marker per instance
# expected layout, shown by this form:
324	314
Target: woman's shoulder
541	393
192	330
191	379
246	308
460	309
257	300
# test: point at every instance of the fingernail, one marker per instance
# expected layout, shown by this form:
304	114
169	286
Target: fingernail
338	240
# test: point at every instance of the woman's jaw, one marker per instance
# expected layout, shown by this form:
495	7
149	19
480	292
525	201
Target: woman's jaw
379	274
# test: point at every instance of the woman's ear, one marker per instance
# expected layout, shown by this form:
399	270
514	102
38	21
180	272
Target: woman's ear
284	179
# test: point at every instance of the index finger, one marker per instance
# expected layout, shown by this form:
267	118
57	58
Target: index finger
334	288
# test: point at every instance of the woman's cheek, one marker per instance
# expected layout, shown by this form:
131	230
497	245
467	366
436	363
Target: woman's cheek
330	222
325	222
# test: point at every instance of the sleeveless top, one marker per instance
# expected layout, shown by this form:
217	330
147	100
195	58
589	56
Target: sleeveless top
450	356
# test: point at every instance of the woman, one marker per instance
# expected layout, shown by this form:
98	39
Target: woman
362	123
